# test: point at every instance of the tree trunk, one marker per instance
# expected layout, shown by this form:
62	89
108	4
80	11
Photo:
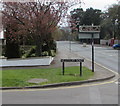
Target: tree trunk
38	46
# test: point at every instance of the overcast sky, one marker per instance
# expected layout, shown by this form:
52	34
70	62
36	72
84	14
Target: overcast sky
95	4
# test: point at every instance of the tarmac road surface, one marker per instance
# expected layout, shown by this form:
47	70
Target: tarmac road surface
106	56
92	93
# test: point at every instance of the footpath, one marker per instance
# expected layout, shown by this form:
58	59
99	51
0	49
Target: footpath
101	73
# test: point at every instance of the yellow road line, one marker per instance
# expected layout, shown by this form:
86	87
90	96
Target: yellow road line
58	88
100	65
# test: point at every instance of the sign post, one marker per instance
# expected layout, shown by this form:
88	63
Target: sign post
63	67
91	30
71	60
80	68
92	52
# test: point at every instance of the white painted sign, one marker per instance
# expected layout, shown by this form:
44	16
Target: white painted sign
1	35
88	36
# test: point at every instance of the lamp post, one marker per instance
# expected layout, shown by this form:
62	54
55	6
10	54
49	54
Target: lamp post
78	27
70	42
114	21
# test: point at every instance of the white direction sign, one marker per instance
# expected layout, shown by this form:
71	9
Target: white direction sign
88	36
88	29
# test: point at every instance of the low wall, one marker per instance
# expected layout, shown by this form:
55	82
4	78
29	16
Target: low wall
37	61
107	42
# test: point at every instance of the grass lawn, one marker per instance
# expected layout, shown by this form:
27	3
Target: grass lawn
19	77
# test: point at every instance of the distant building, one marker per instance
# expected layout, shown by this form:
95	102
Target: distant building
2	39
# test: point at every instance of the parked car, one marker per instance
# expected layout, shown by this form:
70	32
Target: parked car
116	46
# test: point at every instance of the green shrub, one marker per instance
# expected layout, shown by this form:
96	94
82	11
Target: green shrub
53	53
12	50
47	50
48	46
45	53
31	52
3	50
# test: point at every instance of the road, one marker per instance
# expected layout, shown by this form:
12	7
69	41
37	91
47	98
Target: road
92	93
105	56
99	94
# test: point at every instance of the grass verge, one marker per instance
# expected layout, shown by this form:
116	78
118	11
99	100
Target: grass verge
19	77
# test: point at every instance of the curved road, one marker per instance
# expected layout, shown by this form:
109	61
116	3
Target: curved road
106	56
93	93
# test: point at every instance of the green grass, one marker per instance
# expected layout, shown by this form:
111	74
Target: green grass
19	77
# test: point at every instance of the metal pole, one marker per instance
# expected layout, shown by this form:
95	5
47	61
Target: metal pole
63	68
92	52
80	68
70	45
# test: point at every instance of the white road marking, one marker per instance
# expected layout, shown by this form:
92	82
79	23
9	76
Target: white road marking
118	83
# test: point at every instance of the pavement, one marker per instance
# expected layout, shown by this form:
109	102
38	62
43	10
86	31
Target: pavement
101	73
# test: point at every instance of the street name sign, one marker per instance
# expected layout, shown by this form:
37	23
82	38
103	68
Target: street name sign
89	29
72	60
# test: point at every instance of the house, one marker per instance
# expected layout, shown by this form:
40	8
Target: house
2	39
